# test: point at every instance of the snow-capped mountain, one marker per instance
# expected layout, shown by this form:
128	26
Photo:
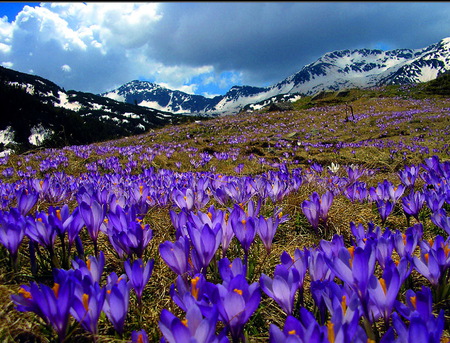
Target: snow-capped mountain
360	68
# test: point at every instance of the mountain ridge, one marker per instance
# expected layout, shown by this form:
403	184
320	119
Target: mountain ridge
335	70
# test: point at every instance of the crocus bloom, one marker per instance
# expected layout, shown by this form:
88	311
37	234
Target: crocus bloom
283	287
176	255
228	270
236	304
317	207
299	331
428	266
205	241
117	301
266	228
26	201
384	208
139	274
183	198
244	227
12	231
40	231
139	336
413	203
355	266
418	303
52	304
93	267
88	304
384	291
93	215
440	219
194	328
417	331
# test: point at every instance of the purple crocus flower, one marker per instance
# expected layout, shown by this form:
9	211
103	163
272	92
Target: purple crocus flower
40	231
87	305
408	175
194	328
413	203
283	287
236	304
418	303
139	336
205	242
117	301
383	291
133	240
52	304
406	243
417	331
228	270
176	255
311	209
139	274
92	268
440	219
355	266
434	200
266	229
428	266
12	231
26	201
299	331
317	207
384	208
183	198
73	225
244	227
93	215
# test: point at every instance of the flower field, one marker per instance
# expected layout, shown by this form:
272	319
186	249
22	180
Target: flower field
302	226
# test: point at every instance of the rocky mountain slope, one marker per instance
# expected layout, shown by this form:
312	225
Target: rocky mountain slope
361	68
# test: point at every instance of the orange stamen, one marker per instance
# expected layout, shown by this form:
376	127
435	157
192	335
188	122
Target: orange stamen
25	293
413	301
238	291
194	289
330	329
85	299
56	289
383	285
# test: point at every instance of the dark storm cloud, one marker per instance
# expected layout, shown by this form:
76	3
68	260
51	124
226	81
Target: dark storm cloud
270	41
97	46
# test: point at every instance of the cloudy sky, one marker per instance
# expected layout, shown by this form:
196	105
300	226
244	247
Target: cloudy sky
201	47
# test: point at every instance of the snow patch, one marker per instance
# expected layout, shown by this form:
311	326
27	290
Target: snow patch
39	134
65	103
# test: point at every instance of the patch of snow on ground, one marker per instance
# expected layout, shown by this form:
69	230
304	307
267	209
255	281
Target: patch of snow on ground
28	87
115	96
7	135
39	134
131	115
64	102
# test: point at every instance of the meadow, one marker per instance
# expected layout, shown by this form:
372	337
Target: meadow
328	222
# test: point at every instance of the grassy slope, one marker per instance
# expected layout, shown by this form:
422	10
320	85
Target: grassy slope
382	119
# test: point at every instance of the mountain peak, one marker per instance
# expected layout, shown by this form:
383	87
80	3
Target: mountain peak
335	70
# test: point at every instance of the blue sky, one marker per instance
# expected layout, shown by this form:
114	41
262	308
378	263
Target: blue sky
201	47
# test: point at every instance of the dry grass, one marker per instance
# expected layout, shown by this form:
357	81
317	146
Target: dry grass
274	137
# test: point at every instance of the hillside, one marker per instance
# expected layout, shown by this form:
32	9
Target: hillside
37	113
315	197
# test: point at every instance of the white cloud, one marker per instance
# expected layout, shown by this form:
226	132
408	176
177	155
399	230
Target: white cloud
202	47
